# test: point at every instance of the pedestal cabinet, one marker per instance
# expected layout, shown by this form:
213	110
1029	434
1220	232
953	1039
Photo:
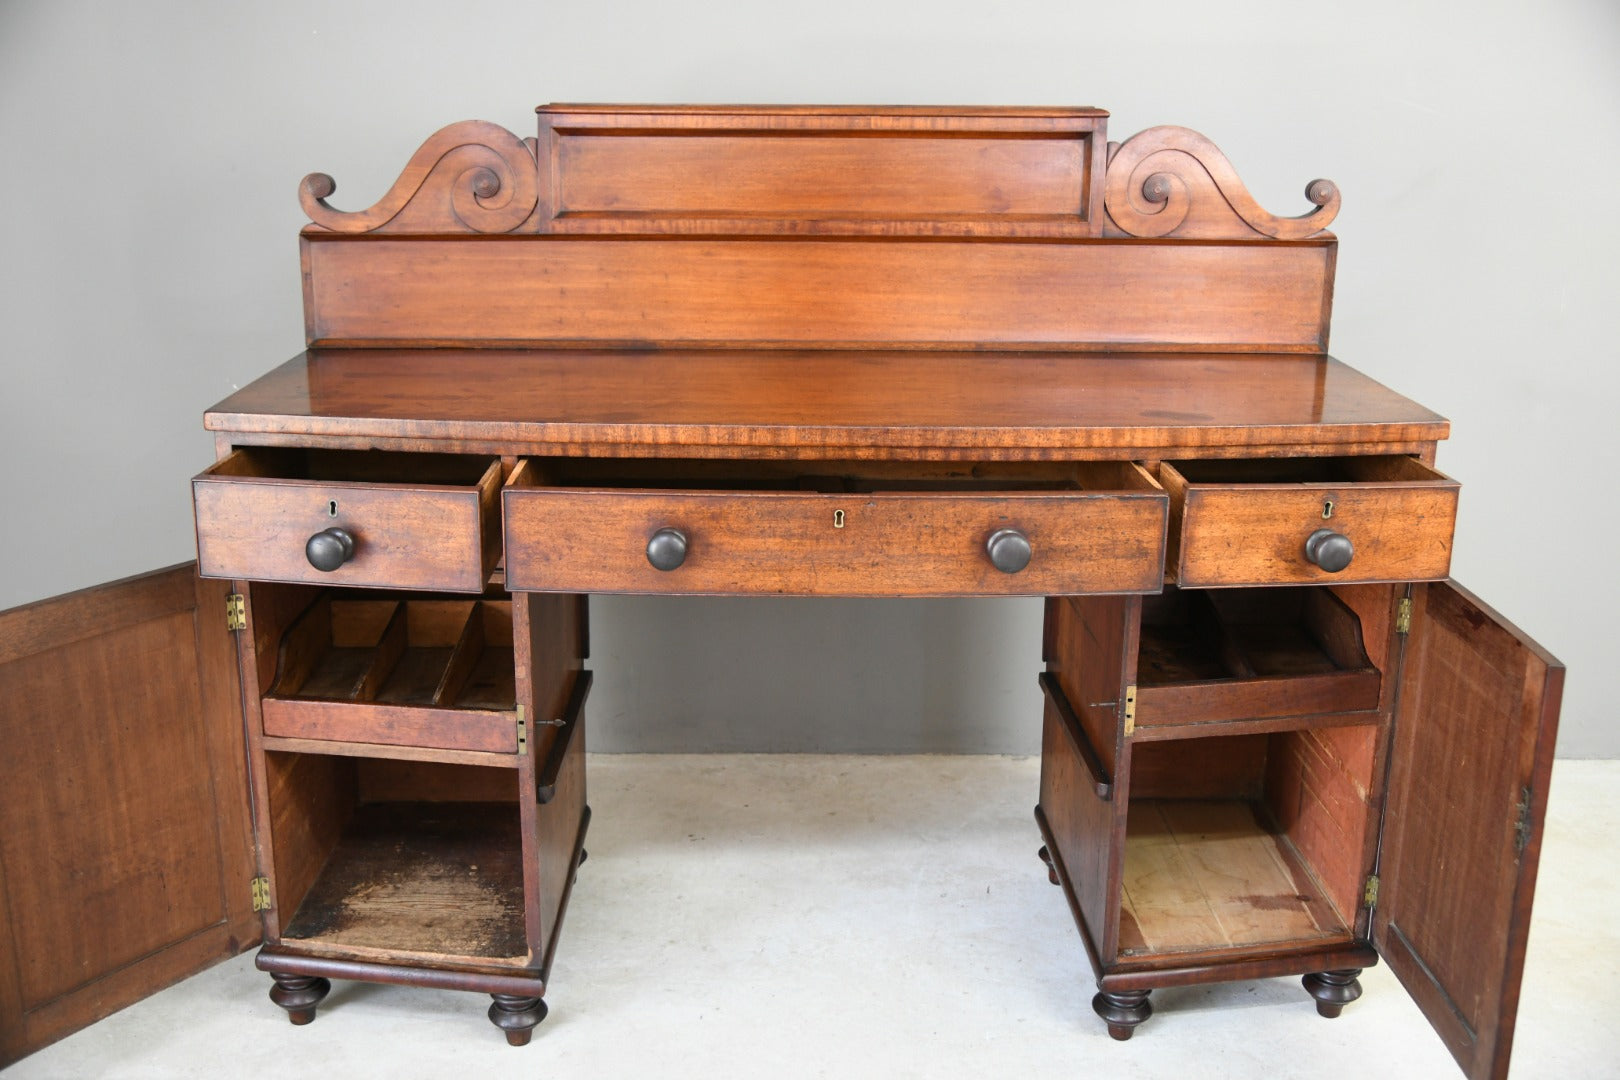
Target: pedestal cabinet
808	352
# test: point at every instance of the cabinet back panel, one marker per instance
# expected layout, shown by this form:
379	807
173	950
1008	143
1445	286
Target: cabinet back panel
554	291
1319	788
1223	767
387	780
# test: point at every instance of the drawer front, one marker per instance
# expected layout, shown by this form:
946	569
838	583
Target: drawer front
441	537
1399	529
884	544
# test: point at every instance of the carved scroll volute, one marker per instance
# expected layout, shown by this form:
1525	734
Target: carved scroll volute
1171	181
469	177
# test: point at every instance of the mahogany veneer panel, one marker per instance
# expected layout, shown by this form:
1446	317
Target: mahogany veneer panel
888	545
125	848
820	169
530	290
1471	755
822	403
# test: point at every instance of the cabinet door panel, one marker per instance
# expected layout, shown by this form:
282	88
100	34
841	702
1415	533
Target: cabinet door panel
1473	747
124	841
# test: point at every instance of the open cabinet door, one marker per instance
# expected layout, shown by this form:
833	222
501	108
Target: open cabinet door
126	853
1472	753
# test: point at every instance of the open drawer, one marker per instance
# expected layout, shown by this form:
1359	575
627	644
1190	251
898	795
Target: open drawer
371	672
849	529
1308	521
350	517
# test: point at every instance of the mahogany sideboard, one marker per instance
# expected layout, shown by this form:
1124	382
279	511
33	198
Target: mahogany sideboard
881	352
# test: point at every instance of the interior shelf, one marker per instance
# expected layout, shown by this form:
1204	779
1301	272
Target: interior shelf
376	671
1209	661
1209	874
434	877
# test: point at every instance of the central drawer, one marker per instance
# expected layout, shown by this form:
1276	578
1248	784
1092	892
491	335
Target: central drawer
873	529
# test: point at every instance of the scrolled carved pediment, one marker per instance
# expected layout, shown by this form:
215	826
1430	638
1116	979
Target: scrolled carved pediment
1173	182
470	177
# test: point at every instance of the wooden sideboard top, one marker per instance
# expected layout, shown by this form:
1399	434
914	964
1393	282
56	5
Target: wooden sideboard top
655	109
821	282
826	403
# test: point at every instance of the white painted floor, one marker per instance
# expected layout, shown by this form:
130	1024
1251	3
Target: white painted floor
800	916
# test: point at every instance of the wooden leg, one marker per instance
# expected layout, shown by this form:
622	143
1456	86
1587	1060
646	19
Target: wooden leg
1051	867
517	1016
1333	990
299	994
1122	1010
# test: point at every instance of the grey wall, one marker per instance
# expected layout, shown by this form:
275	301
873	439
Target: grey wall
152	152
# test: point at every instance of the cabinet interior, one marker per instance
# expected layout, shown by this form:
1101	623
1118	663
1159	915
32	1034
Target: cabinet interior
1245	841
402	651
386	673
1324	470
375	855
832	476
1231	656
356	466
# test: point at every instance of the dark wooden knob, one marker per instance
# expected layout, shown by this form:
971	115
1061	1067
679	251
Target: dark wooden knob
1008	549
329	549
1330	550
667	549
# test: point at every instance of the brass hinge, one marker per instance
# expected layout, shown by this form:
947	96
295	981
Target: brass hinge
1403	615
1521	825
235	612
1130	710
523	734
261	894
1369	895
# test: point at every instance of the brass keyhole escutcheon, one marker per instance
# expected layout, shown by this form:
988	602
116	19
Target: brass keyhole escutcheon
838	519
1327	509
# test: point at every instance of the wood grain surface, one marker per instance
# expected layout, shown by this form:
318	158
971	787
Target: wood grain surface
830	293
1470	761
810	404
820	171
124	833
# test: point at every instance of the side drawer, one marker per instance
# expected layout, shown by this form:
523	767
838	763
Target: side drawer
1253	522
1099	528
416	521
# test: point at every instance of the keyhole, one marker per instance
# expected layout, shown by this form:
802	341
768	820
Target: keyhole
1327	509
838	519
331	508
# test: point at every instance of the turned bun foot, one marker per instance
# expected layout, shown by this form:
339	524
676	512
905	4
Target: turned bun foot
299	994
517	1016
1333	990
1051	867
1122	1010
